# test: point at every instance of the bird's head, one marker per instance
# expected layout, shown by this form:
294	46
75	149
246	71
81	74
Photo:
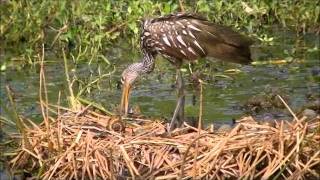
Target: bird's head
128	78
130	75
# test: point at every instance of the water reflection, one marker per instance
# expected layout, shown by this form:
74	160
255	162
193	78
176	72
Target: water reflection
155	94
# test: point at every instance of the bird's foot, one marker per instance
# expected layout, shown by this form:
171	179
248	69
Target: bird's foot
178	115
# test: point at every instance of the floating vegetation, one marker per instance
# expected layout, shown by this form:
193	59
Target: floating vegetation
86	144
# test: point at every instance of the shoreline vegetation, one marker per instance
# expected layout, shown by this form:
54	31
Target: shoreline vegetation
87	29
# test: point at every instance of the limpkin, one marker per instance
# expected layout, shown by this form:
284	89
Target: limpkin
183	37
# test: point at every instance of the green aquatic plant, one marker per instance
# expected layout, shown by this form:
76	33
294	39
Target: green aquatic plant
88	29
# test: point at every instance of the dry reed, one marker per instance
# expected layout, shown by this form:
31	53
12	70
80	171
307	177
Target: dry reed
88	145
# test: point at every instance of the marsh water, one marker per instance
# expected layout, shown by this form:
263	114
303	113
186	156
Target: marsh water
288	66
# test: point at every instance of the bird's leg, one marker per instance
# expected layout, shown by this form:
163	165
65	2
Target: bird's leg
178	115
181	98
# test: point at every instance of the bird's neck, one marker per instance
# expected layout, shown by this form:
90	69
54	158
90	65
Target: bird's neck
147	62
146	65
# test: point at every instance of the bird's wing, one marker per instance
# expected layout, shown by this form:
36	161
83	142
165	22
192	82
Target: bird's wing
174	36
223	33
188	36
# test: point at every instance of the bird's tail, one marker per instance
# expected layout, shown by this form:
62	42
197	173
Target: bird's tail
223	43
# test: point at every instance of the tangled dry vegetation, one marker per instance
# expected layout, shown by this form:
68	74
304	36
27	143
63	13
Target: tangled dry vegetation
88	145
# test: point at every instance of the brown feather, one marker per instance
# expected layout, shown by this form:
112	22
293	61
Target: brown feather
223	43
189	36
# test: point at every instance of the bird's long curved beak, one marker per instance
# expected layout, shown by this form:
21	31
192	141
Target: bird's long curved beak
125	98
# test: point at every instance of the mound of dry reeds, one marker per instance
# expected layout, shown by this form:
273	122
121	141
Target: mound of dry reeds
88	145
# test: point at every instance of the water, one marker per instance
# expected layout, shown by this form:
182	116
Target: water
224	98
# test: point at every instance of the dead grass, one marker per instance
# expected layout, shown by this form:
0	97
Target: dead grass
88	145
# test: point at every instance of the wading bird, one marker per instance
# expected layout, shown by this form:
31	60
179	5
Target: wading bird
183	37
